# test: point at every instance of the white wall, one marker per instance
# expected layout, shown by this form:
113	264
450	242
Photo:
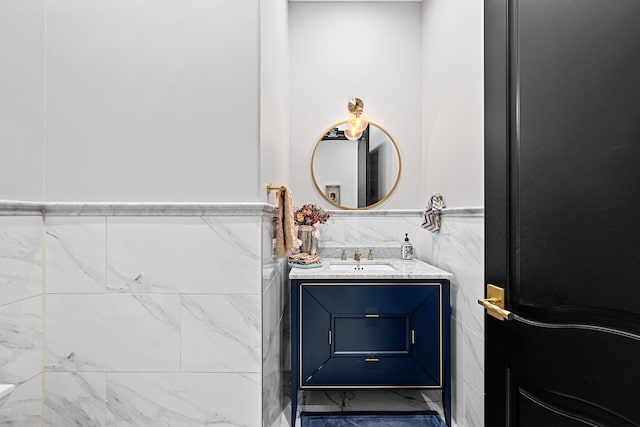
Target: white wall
21	99
274	94
453	110
142	100
366	50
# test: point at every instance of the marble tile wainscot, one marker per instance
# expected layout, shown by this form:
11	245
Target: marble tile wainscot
21	306
141	314
459	249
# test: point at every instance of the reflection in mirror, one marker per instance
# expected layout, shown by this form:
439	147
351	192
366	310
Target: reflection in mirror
356	174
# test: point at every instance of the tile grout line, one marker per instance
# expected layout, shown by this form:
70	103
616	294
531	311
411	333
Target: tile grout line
105	279
44	215
181	330
43	315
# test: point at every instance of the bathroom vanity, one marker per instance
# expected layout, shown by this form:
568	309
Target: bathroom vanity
370	325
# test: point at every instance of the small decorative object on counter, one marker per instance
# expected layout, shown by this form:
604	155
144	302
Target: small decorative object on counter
308	219
407	248
304	260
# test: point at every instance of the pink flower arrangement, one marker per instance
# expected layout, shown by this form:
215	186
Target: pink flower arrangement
310	214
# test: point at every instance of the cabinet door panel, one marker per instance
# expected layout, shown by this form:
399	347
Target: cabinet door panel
315	337
357	372
361	335
370	299
426	323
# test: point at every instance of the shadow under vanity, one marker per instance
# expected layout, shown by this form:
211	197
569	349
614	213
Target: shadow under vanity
370	325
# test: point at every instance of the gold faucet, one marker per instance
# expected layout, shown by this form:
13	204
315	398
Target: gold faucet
344	255
356	256
370	256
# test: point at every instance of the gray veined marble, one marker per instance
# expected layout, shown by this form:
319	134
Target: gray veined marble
184	255
76	254
102	332
20	340
375	213
20	258
224	229
364	231
459	248
414	269
24	405
183	399
73	398
477	212
30	208
274	348
221	333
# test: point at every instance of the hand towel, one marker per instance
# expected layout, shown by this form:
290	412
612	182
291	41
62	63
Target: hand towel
304	259
285	231
432	213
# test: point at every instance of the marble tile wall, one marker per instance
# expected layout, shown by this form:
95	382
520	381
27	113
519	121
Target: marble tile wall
154	321
275	324
21	318
382	231
139	308
459	249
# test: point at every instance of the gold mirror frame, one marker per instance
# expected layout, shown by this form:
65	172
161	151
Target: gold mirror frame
321	191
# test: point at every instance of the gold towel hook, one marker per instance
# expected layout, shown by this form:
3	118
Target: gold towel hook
271	188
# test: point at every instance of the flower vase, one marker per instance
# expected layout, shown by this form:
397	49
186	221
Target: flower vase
309	241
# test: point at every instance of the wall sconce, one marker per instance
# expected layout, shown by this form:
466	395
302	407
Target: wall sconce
356	123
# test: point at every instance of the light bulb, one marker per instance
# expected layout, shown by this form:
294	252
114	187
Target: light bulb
357	123
351	135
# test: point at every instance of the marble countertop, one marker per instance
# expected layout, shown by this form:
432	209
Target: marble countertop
414	269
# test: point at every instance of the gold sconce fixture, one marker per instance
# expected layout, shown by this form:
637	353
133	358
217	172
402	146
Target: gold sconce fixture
356	123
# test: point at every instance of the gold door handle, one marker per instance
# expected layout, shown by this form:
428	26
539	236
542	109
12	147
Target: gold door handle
494	303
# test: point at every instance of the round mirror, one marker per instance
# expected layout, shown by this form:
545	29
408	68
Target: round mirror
356	174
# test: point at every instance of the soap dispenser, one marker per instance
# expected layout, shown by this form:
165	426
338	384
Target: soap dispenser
407	248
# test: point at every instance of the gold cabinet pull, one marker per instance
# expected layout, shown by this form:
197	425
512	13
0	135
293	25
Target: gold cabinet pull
413	336
371	359
372	316
329	336
494	303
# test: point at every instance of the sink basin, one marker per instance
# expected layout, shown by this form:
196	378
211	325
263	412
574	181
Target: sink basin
361	267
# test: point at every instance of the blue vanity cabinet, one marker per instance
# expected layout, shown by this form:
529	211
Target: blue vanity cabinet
373	334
